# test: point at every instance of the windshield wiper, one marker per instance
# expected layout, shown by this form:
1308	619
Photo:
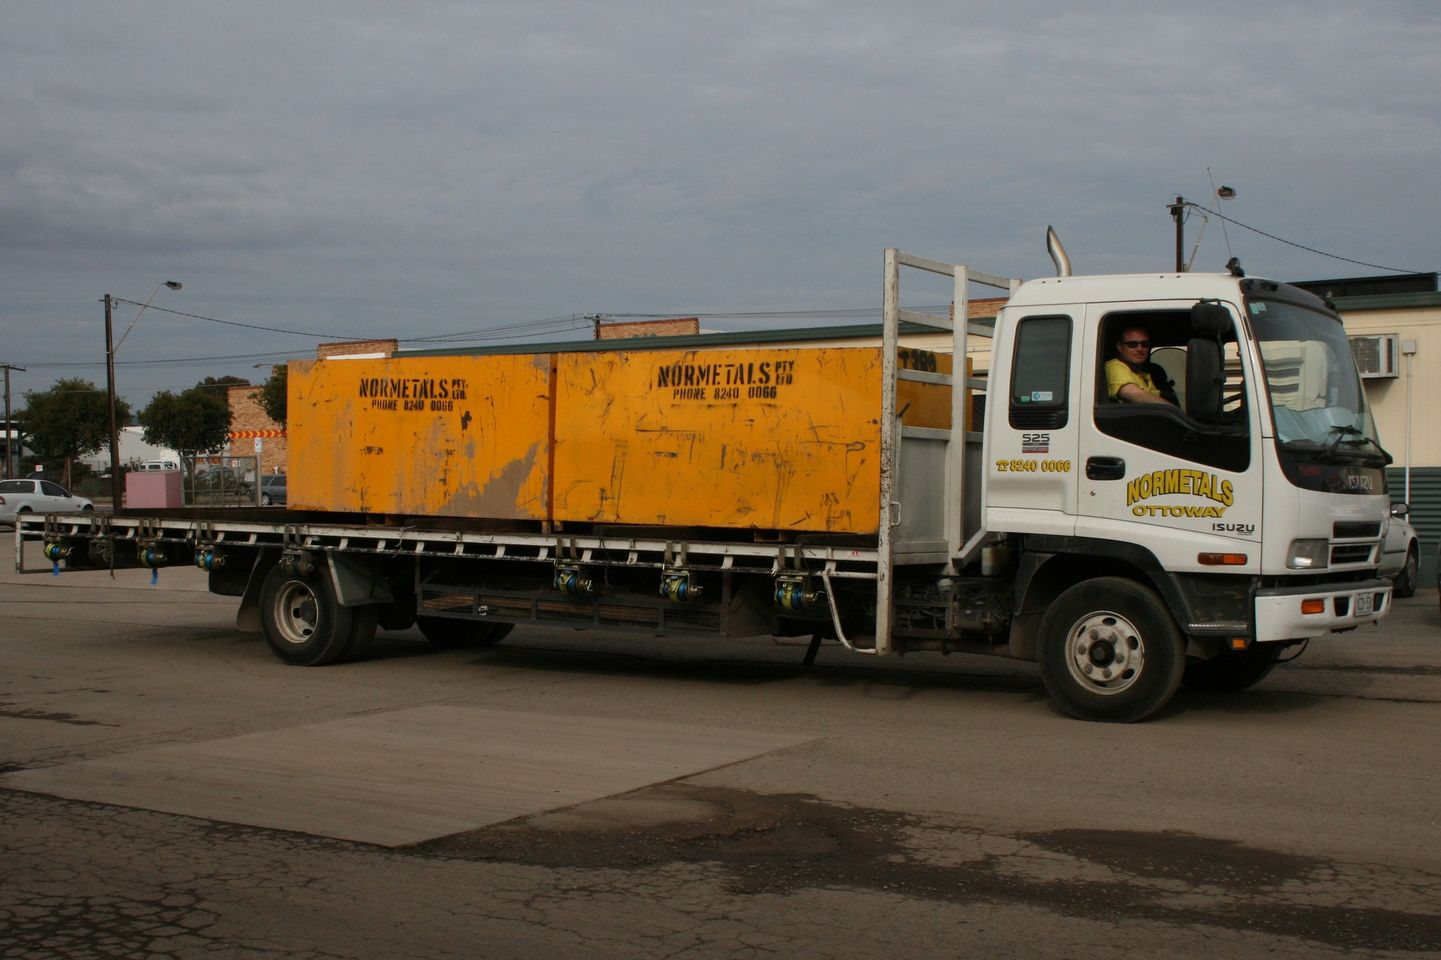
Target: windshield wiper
1333	454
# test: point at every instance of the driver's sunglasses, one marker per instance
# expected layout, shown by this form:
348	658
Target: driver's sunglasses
1133	344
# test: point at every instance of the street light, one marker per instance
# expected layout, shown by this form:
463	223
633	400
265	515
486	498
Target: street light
110	347
1178	208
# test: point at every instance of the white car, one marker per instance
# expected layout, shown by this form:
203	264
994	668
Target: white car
1401	553
37	496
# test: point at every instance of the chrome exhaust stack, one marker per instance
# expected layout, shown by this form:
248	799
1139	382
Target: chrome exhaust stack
1058	253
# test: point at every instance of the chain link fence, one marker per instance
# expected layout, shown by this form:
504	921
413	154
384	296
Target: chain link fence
216	481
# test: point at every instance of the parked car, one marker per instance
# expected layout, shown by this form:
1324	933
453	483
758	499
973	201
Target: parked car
272	490
37	496
220	479
1401	552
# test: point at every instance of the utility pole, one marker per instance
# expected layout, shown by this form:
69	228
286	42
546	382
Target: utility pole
110	347
1178	211
110	393
9	425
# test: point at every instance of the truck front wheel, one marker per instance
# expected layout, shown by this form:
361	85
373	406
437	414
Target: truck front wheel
1109	650
303	621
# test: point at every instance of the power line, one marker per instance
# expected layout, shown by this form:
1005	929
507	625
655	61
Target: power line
572	321
587	321
236	323
232	358
509	331
1299	246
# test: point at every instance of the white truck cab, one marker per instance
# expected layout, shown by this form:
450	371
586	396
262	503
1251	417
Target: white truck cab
1251	502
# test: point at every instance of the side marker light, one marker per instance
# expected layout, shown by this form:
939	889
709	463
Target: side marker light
1222	559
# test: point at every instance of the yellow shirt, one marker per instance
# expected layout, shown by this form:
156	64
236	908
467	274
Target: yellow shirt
1119	373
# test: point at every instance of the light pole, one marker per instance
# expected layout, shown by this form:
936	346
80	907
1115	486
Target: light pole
1178	208
110	347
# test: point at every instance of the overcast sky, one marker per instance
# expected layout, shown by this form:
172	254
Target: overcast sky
418	169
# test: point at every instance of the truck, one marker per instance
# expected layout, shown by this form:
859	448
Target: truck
955	483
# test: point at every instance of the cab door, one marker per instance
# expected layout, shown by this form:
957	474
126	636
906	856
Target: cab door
1176	480
1031	445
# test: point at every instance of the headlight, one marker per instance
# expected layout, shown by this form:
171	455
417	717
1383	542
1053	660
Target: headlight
1308	554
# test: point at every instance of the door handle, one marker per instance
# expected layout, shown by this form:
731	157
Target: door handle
1105	468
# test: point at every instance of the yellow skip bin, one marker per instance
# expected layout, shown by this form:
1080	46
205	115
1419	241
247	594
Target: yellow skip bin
784	439
776	439
435	436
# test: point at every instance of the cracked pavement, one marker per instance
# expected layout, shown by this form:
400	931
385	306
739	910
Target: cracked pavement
928	807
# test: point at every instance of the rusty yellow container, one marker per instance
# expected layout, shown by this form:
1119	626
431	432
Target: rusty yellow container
771	439
784	439
463	436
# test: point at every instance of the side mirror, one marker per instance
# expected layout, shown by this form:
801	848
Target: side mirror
1204	379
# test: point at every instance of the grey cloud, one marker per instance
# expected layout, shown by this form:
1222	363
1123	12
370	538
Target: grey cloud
431	167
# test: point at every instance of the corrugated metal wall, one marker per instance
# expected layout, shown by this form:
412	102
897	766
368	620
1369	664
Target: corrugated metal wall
1425	512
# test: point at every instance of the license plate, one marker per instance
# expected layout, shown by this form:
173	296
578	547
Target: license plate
1365	604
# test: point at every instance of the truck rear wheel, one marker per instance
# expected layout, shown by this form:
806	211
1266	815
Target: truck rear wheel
1109	650
450	633
303	621
1230	672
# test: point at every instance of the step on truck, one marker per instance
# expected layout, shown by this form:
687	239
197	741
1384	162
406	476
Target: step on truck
954	483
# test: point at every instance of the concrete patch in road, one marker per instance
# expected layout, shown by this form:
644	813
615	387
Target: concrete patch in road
401	777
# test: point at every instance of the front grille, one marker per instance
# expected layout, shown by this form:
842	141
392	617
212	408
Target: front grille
1356	530
1342	553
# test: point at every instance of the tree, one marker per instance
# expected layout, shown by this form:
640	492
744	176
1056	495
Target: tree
271	395
70	420
193	421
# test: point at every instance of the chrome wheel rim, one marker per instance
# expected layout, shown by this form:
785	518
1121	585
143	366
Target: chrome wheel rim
1105	653
296	612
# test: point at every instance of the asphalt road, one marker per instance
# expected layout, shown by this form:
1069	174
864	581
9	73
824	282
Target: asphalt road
168	789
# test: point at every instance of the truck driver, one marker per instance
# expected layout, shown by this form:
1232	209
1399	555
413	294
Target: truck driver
1132	377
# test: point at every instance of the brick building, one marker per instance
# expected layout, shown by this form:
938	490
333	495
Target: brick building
253	433
625	330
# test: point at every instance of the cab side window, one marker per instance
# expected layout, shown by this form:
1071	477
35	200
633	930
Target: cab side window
1198	373
1040	374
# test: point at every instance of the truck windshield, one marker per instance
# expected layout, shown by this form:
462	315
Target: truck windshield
1317	403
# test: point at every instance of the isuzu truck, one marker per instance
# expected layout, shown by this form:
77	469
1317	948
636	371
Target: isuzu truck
951	483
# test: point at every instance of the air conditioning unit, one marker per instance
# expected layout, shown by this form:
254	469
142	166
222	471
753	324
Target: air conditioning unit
1376	355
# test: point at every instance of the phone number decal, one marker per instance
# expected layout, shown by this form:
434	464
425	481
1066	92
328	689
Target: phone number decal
1033	466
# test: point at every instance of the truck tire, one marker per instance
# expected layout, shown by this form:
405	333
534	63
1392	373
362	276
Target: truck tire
1230	672
399	613
362	634
303	621
448	633
1109	650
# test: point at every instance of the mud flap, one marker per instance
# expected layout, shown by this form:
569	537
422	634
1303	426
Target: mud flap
247	618
358	581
